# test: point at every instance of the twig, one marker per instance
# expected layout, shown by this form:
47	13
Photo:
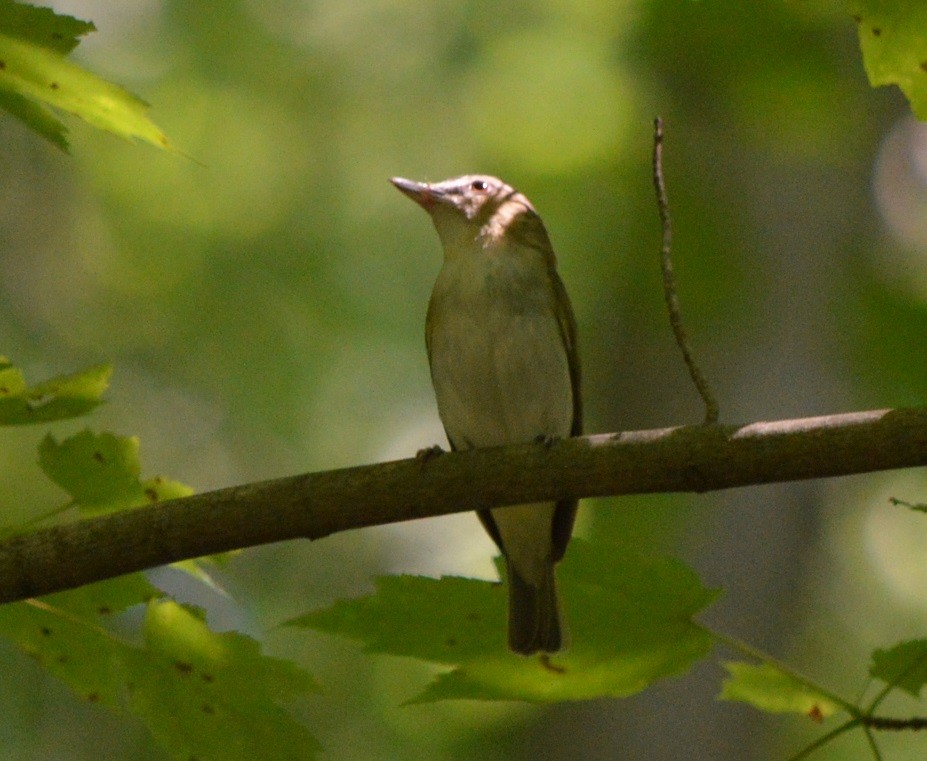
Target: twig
873	745
918	507
915	723
669	279
692	458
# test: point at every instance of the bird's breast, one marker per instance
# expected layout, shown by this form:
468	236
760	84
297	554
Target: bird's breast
498	362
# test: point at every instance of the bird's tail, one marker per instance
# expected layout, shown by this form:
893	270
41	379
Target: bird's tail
534	613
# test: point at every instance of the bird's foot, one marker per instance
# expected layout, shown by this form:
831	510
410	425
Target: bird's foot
426	455
547	439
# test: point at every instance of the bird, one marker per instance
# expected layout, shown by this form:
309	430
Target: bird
502	349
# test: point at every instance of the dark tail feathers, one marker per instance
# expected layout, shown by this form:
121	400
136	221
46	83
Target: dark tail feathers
534	614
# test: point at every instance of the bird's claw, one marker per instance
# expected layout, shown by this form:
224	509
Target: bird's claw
547	439
426	455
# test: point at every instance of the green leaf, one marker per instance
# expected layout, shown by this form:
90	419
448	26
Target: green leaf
629	620
904	665
64	633
34	70
448	620
202	695
99	471
36	117
104	598
765	687
60	398
893	38
160	489
42	26
214	696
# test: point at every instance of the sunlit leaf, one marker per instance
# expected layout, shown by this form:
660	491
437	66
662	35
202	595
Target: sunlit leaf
34	71
765	687
893	38
629	622
904	665
48	77
66	396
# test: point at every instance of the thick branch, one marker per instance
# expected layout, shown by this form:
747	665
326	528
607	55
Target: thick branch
686	459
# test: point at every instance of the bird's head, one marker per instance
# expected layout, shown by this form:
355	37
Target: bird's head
477	209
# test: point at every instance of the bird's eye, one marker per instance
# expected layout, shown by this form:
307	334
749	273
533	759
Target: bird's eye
479	185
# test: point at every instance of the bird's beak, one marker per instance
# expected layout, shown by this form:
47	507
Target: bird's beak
421	192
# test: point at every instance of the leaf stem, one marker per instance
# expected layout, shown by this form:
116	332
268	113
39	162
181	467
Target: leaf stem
824	739
870	738
24	528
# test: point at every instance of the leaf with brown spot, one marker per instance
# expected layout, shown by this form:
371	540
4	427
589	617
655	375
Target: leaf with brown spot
246	719
894	46
765	687
236	718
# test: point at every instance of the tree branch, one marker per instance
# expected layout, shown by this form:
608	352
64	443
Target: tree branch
685	459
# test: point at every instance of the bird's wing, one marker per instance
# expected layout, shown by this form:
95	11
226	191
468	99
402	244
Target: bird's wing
565	513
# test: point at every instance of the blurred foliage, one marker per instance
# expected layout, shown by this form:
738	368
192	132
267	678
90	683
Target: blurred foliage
265	311
55	399
904	665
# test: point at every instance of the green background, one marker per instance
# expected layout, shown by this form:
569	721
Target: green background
264	310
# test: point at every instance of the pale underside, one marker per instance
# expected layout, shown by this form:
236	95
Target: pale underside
501	375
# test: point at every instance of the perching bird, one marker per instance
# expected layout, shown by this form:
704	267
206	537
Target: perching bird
501	341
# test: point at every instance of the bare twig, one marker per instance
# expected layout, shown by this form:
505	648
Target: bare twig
669	279
918	507
691	458
915	723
